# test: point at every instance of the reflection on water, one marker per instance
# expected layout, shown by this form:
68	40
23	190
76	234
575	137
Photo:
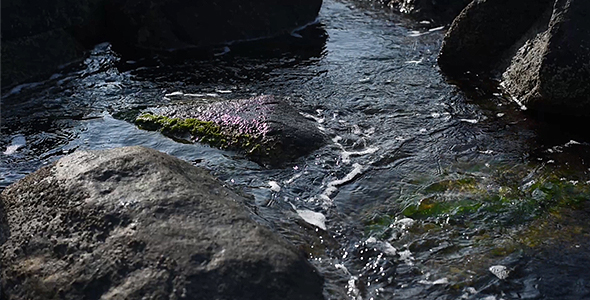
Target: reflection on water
422	190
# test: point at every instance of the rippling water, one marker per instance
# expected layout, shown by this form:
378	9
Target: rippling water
423	189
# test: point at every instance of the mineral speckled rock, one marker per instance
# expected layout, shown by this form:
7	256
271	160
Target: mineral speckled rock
267	129
134	223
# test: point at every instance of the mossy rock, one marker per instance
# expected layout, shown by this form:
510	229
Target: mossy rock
266	130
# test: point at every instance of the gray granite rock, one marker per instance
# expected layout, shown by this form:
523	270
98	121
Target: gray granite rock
134	223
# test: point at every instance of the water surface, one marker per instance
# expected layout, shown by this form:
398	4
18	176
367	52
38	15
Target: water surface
421	190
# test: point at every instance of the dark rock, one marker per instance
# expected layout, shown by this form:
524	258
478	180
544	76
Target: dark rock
165	24
540	50
39	36
267	129
134	223
551	71
484	31
439	11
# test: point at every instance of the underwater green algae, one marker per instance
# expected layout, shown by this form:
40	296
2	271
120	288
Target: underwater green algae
504	198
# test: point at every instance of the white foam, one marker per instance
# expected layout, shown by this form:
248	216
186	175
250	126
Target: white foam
436	282
294	178
357	169
308	116
500	271
314	218
416	62
405	222
223	91
472	121
347	154
177	93
18	142
274	186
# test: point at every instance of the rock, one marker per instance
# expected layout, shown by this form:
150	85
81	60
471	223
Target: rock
134	223
268	130
484	31
439	11
40	36
540	50
165	24
551	71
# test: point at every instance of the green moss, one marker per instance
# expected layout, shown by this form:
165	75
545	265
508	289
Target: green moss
201	131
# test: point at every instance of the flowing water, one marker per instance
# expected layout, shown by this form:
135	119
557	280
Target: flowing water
425	191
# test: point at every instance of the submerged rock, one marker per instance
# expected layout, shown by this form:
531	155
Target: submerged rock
268	130
134	223
539	48
164	24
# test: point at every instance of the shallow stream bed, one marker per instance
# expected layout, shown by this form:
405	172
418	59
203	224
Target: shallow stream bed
424	192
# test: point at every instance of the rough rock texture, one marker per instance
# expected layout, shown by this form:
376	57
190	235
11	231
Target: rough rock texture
551	72
439	11
267	129
167	24
134	223
38	36
539	48
484	31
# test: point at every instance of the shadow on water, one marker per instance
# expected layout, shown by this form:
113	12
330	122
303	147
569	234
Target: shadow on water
235	63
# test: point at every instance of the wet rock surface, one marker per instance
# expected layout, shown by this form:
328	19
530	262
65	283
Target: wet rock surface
551	71
540	50
164	24
484	31
133	223
267	129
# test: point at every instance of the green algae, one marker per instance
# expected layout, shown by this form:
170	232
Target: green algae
202	131
510	198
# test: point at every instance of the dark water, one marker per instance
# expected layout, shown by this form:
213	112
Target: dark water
423	188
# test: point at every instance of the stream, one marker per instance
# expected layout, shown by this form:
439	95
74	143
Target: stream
425	191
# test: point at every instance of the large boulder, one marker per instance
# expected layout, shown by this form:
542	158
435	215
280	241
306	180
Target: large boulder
167	24
539	48
39	36
551	71
134	223
266	129
483	32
